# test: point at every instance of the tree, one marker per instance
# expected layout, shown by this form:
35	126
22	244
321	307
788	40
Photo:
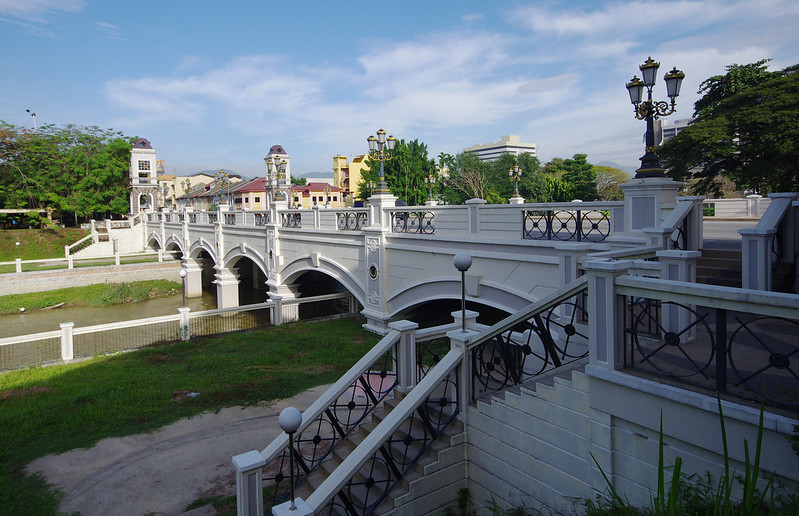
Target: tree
719	87
299	181
74	170
406	173
747	133
573	178
609	181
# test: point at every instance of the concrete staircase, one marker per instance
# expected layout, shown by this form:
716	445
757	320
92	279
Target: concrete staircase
719	267
130	241
415	489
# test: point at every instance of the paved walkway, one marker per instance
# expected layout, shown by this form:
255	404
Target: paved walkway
162	472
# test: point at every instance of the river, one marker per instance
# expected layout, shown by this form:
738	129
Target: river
25	323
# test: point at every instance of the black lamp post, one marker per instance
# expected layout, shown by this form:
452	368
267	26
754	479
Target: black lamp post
515	174
431	180
650	110
380	149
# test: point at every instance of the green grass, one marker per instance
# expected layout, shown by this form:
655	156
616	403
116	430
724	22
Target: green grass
101	294
37	244
46	410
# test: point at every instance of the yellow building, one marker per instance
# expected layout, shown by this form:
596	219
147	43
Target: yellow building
321	195
348	176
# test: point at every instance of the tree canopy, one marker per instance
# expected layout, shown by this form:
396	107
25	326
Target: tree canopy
74	170
746	130
406	172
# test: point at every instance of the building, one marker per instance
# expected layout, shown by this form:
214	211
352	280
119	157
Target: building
665	130
493	150
143	182
251	195
316	194
348	175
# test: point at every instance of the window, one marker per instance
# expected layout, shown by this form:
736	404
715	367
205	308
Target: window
257	199
144	165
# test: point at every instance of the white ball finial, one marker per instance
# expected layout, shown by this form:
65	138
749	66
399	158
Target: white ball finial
290	419
462	261
182	273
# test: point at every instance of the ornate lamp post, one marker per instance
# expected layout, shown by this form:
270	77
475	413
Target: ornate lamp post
515	174
380	149
33	114
650	110
165	192
275	177
327	196
430	180
186	185
223	180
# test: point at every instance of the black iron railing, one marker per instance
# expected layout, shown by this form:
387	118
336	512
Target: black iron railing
566	225
419	222
291	220
351	220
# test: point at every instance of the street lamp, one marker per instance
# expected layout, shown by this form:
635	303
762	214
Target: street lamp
380	149
186	184
430	180
327	196
223	180
290	420
17	244
275	176
515	174
650	110
33	114
183	275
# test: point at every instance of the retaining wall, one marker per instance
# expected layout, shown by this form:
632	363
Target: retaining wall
40	281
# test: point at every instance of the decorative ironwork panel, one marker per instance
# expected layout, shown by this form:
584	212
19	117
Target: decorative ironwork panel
261	219
419	222
398	454
351	221
230	219
428	354
547	340
193	218
566	225
212	218
749	356
291	220
317	441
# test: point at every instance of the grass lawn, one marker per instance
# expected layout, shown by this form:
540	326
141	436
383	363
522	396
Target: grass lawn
37	244
100	294
46	410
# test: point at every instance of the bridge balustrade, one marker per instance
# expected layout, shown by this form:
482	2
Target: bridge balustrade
352	220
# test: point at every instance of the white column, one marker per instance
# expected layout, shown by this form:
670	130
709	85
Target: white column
606	309
185	329
227	288
756	257
459	340
678	266
67	343
249	483
406	354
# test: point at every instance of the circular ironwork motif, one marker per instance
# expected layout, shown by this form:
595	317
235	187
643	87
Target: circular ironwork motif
373	272
779	361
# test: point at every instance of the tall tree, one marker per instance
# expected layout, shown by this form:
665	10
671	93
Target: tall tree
748	133
573	178
609	181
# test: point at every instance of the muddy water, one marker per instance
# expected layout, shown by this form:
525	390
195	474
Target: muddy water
47	320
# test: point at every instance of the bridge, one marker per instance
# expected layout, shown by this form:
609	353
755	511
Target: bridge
393	259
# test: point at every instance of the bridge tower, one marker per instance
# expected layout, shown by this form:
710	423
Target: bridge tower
278	173
143	181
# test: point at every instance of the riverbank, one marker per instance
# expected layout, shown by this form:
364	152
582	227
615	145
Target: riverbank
103	294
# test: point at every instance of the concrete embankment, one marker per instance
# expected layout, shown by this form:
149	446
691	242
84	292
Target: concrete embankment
40	281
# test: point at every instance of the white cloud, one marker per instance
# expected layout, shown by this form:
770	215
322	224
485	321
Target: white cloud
39	10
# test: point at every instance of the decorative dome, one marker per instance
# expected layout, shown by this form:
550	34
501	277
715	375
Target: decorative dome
277	149
142	143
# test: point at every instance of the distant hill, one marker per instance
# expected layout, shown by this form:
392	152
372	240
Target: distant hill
613	164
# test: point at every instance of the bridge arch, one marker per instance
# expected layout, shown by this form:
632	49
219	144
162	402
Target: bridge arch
176	242
244	251
202	245
154	236
299	266
487	293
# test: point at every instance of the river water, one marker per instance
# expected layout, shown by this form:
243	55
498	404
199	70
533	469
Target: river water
25	323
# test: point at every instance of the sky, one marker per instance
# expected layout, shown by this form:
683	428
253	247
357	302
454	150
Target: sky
215	84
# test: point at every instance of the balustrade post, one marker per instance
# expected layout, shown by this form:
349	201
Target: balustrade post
756	257
185	328
70	264
317	218
249	482
678	266
160	255
606	309
19	264
406	354
459	341
67	343
473	209
66	252
569	257
116	249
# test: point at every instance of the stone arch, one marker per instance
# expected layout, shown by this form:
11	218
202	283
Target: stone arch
202	245
157	237
320	264
245	251
177	242
497	296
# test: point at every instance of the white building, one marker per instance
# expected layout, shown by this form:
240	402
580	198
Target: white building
493	150
143	182
665	130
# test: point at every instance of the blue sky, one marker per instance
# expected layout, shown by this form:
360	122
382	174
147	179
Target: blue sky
214	84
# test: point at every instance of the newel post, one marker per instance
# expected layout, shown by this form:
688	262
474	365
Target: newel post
249	482
406	354
67	343
606	324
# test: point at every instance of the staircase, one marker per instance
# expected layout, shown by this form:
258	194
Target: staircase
442	454
719	267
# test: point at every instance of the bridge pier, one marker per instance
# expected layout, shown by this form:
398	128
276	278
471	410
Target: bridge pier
193	284
227	287
283	313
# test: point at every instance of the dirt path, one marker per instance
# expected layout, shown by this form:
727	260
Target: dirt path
164	471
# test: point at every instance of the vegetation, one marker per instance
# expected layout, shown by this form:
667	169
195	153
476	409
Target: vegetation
406	173
77	171
37	244
745	130
101	294
105	397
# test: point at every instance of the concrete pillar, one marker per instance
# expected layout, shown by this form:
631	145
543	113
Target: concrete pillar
227	287
185	328
378	202
406	354
459	340
643	200
473	207
606	322
516	199
756	257
678	266
67	343
19	264
282	312
569	256
194	278
249	483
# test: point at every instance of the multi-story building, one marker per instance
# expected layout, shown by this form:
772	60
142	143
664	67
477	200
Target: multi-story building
143	182
347	176
493	150
665	130
316	195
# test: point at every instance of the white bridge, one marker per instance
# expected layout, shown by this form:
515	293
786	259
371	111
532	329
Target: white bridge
394	258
